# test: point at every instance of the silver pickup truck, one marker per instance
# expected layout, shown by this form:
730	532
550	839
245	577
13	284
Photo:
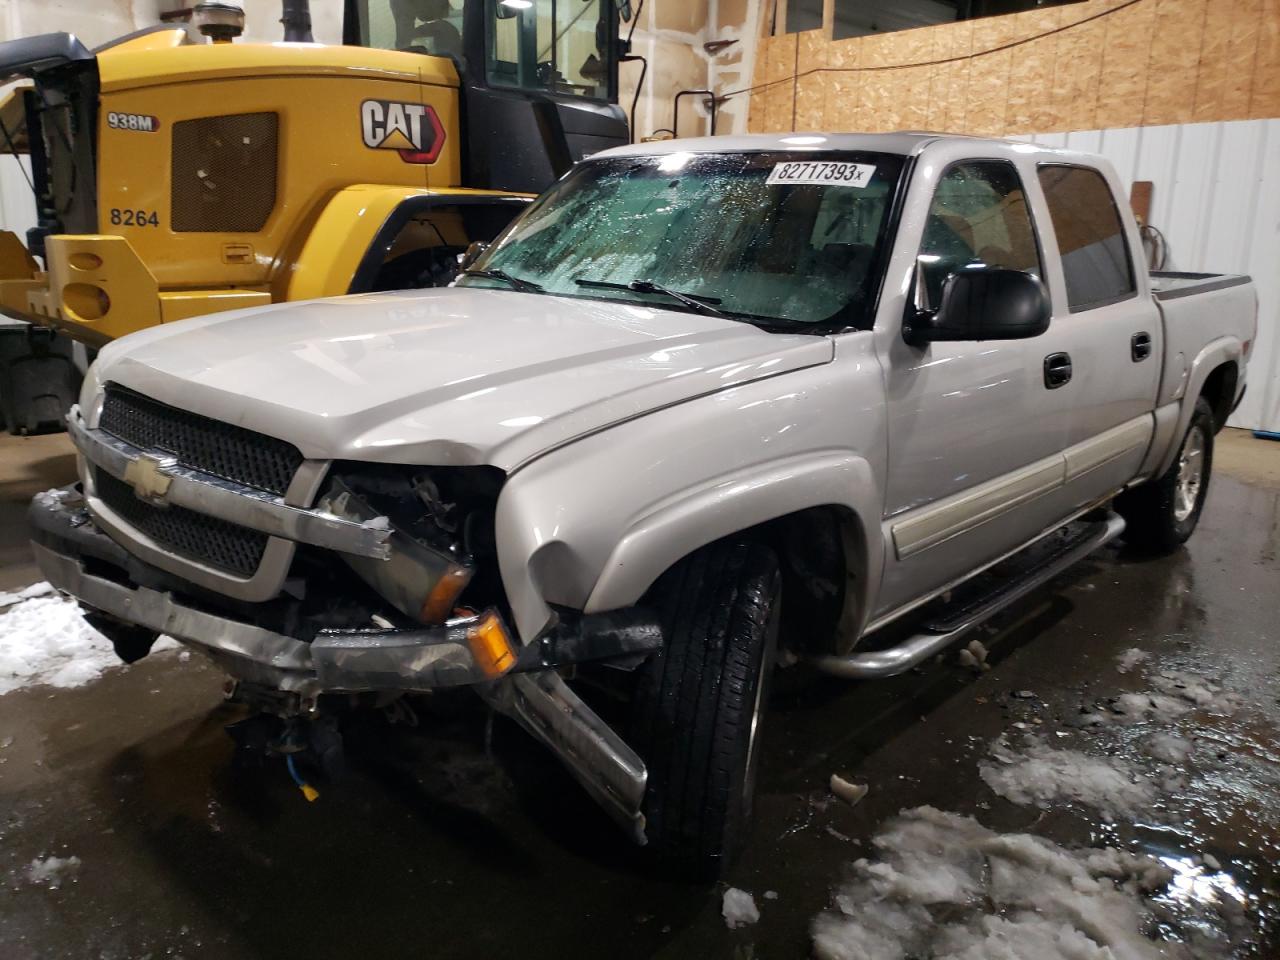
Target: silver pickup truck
707	406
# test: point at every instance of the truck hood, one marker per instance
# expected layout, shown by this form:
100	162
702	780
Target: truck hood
461	376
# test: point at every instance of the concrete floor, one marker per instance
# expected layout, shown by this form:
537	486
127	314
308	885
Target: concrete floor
432	848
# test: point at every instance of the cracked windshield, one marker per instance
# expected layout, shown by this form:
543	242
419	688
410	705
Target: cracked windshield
710	233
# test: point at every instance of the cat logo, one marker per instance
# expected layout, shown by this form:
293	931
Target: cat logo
412	129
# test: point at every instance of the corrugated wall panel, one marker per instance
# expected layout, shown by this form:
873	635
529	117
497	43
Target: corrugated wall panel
1217	200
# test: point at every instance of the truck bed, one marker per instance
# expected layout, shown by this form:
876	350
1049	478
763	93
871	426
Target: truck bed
1172	284
1197	308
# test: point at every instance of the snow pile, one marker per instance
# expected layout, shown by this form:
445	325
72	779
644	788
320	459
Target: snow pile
1170	748
1196	690
52	871
1130	659
1041	775
738	908
1174	694
40	589
45	639
945	886
1133	707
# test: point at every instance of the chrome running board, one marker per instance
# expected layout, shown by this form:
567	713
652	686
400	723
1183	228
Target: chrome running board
950	626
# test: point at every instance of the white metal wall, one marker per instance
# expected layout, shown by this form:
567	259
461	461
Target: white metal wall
1217	200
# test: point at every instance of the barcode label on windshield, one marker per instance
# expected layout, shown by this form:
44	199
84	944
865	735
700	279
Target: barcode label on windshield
822	173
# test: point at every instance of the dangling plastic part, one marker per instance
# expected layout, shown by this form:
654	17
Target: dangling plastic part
308	791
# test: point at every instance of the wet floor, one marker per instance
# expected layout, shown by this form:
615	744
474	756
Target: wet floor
434	846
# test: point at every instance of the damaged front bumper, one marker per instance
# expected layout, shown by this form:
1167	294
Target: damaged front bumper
475	650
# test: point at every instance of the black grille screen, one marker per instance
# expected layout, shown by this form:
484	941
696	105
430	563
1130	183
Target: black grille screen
224	173
209	540
212	446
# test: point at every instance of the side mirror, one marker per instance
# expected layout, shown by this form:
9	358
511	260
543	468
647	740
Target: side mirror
474	249
981	303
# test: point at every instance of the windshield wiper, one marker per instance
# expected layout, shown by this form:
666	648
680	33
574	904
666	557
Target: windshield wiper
701	304
517	283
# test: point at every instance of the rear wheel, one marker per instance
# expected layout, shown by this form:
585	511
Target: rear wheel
1162	514
699	702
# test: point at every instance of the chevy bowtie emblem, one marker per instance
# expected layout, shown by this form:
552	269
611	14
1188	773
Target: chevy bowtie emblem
149	481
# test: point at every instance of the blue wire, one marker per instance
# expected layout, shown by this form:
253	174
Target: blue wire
293	771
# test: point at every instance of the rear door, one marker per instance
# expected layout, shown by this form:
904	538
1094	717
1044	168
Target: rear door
1100	360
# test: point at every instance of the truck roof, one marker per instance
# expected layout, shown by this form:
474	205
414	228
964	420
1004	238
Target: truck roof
907	143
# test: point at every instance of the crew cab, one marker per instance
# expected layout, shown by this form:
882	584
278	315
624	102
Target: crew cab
706	406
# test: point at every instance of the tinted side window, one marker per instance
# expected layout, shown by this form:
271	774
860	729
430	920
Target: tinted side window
1095	255
978	215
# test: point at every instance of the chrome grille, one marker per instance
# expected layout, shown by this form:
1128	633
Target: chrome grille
207	540
226	451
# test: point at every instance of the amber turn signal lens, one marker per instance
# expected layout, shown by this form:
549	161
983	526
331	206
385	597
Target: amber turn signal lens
440	601
490	645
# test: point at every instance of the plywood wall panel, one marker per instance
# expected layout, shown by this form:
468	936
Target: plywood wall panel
1122	87
1080	112
1211	82
842	85
842	102
781	62
811	92
811	87
814	50
1241	56
1031	73
956	89
1099	64
875	107
1174	61
934	106
1264	99
989	76
908	108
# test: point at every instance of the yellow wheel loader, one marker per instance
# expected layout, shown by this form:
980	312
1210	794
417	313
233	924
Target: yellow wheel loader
174	179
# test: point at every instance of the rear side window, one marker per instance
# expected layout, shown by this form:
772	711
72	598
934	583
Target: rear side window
1095	255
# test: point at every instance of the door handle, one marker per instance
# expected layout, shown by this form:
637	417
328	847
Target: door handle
1140	346
1057	370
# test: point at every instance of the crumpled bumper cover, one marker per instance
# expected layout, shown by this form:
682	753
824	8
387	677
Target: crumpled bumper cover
353	661
72	552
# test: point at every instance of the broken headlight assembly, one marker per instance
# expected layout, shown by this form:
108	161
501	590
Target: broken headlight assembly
441	524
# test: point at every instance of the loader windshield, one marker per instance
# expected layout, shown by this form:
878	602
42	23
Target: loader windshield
779	239
553	46
432	27
561	46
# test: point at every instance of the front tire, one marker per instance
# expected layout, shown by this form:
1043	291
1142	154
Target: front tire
1162	514
699	702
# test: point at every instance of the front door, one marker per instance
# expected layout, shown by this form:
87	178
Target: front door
968	466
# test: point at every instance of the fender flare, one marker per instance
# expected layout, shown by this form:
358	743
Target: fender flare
678	526
350	237
1215	354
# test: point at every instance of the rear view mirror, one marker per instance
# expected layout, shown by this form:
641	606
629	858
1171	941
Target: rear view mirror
982	303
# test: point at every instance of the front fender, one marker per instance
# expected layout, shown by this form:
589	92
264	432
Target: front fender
357	227
593	524
746	498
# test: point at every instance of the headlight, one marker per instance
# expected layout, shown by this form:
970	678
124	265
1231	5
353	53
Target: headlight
418	579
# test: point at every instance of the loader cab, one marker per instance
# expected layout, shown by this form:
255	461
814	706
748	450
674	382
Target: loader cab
539	78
